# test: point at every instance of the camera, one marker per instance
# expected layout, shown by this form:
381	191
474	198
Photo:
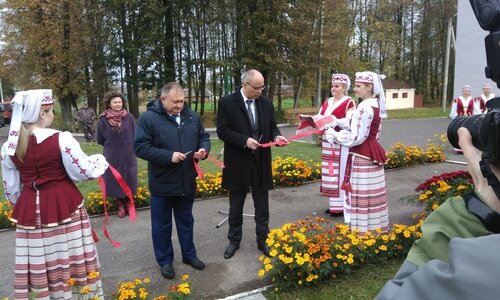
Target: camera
488	16
484	129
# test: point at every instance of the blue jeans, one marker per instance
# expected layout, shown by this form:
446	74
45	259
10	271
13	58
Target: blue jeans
161	227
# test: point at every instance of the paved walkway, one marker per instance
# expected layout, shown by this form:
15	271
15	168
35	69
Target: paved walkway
237	277
221	278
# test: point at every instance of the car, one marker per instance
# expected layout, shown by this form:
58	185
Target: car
6	108
2	118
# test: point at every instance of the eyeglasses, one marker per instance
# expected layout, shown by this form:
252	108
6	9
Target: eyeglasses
260	89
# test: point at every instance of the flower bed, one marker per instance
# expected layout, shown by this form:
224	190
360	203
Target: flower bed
136	289
401	156
434	191
310	250
287	171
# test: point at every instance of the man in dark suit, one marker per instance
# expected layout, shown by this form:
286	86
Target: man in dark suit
245	119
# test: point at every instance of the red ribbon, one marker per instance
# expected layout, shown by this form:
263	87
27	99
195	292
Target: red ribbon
212	159
131	207
297	136
330	162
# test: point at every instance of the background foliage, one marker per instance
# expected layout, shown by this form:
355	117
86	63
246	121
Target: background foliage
82	48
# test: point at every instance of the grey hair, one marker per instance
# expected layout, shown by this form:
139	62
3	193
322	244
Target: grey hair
174	85
248	75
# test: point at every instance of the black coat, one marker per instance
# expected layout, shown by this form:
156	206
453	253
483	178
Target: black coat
157	138
234	128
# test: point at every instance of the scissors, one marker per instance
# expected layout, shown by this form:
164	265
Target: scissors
189	152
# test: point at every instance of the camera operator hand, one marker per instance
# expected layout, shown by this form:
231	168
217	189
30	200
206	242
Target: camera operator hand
473	156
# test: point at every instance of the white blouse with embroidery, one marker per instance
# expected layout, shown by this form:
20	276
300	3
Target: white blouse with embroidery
355	130
87	167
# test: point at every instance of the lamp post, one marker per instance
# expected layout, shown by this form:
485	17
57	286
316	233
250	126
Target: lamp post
450	37
1	90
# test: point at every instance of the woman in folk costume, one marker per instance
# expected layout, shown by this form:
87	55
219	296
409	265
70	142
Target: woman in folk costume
485	96
365	177
465	105
334	156
115	131
54	244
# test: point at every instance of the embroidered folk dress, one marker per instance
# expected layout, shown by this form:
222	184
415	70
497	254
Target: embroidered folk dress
365	175
465	107
483	99
54	240
334	156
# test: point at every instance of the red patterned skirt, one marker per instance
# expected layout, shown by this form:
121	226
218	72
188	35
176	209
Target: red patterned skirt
57	262
368	197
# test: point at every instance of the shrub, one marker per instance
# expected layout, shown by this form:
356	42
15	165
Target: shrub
401	156
310	250
292	171
435	190
5	213
137	289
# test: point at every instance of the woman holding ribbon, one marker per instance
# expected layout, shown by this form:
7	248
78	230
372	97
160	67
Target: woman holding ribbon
333	155
115	132
365	177
54	245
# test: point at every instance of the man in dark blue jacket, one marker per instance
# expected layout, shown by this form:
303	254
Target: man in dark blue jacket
168	136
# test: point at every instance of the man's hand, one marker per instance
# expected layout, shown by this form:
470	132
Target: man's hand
473	156
281	141
252	144
200	154
178	157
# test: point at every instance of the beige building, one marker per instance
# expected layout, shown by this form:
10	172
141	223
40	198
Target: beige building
399	94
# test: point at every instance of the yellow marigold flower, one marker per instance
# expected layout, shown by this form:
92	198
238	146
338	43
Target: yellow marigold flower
350	260
382	247
85	290
93	275
273	253
185	277
147	280
435	206
71	282
262	273
268	267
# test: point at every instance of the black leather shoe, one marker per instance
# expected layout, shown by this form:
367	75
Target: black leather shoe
327	211
195	263
167	271
230	250
265	250
338	214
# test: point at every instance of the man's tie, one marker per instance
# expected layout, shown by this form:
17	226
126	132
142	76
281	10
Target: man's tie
250	113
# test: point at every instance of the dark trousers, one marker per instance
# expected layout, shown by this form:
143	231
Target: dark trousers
161	227
261	206
88	131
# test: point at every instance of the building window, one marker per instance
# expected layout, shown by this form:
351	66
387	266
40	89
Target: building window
395	95
405	95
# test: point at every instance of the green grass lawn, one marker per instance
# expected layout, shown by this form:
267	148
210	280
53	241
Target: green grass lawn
361	284
304	151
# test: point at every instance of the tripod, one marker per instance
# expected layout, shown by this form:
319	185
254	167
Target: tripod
226	218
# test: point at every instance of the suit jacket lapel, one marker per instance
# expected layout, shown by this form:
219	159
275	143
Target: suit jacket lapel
240	103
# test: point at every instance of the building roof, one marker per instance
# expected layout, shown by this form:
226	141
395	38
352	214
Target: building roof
397	84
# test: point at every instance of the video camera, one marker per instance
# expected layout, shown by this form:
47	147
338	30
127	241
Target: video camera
485	128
